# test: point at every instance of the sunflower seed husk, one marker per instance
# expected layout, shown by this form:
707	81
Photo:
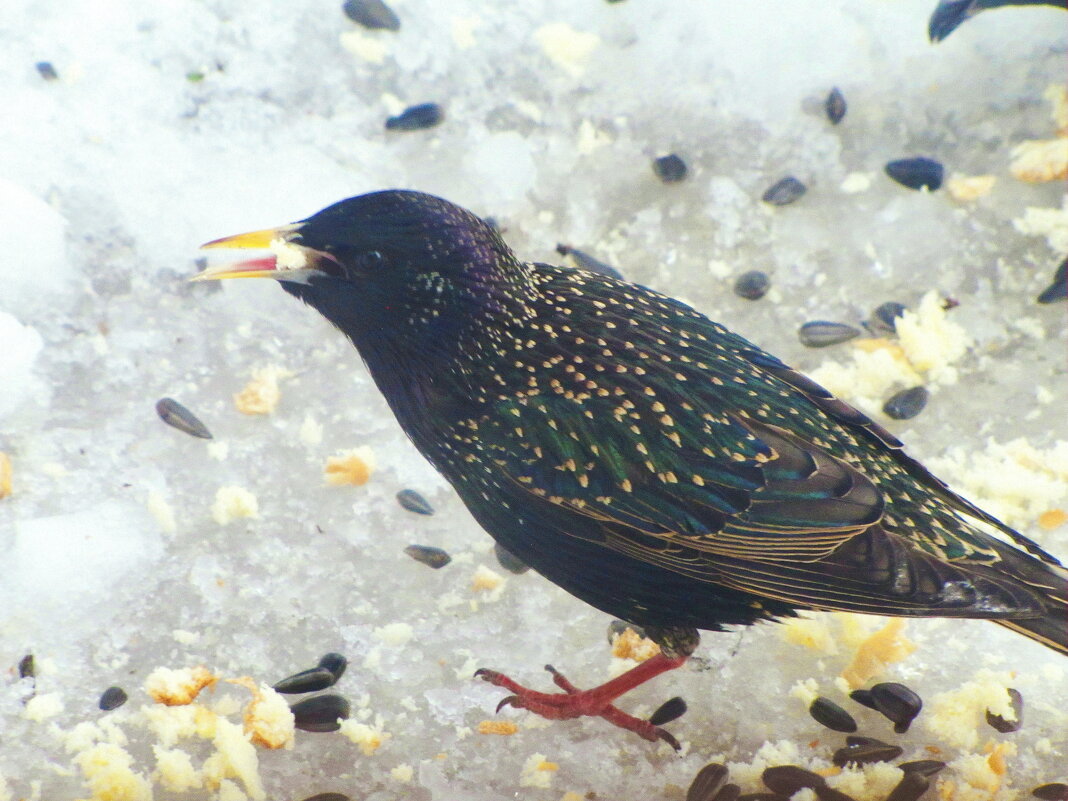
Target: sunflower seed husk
788	779
924	767
416	118
414	502
729	792
898	703
752	285
884	318
670	169
825	793
671	709
1058	288
912	785
509	561
829	714
1004	725
328	797
373	14
821	334
320	713
864	754
784	191
835	106
906	404
762	797
335	663
47	71
916	173
1054	791
429	555
709	780
27	667
863	697
306	681
112	698
178	417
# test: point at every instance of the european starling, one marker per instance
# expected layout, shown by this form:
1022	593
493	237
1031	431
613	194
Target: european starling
949	14
634	452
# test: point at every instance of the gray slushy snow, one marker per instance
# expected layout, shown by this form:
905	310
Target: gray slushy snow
173	123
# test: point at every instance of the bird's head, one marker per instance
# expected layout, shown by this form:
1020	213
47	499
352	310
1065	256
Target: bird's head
393	264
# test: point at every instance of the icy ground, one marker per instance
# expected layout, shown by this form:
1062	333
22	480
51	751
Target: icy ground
172	123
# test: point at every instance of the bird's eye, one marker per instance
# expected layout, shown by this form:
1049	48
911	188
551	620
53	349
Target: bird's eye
371	259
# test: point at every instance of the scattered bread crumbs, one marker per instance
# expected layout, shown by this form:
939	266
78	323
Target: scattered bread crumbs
5	475
162	511
566	47
872	782
42	707
108	770
1057	95
503	727
931	340
178	687
261	393
353	467
365	47
232	503
1040	160
268	719
368	738
394	634
965	188
958	716
628	645
486	580
175	770
1050	223
811	632
1052	518
571	796
311	431
806	691
402	773
537	772
234	758
882	648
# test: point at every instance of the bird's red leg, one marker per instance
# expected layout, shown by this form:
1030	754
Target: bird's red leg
574	703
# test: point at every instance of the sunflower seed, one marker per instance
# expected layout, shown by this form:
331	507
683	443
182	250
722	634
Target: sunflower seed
429	555
884	318
372	14
784	191
335	663
306	681
509	561
912	785
670	169
328	797
414	502
863	697
584	261
829	714
671	709
1058	289
865	754
320	713
730	792
1004	725
112	698
1054	791
916	173
825	793
923	767
897	702
47	71
762	797
906	404
709	780
27	667
416	118
788	779
752	285
177	416
835	106
821	334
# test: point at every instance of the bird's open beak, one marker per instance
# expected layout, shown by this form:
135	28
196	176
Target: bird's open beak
287	261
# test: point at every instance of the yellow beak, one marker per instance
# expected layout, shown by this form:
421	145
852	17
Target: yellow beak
285	263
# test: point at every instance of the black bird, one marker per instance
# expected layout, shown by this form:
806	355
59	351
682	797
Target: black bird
636	453
949	14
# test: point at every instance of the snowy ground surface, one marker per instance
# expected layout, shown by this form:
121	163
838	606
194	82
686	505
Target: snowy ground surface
172	123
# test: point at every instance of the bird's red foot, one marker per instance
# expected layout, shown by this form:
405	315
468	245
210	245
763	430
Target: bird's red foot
574	703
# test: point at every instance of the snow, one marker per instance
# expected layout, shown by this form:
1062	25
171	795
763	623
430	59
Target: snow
174	123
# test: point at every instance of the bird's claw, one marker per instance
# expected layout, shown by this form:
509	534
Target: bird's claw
667	738
511	700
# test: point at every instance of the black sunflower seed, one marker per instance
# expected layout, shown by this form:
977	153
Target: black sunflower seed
863	697
429	555
306	681
335	663
906	404
584	261
414	502
617	627
825	793
829	714
670	169
709	780
509	561
671	709
835	106
177	416
1054	791
372	14
328	797
821	334
1004	725
27	667
788	779
47	71
752	285
897	702
730	792
784	191
865	754
762	797
912	785
320	713
916	173
112	698
416	118
923	767
1058	288
884	318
